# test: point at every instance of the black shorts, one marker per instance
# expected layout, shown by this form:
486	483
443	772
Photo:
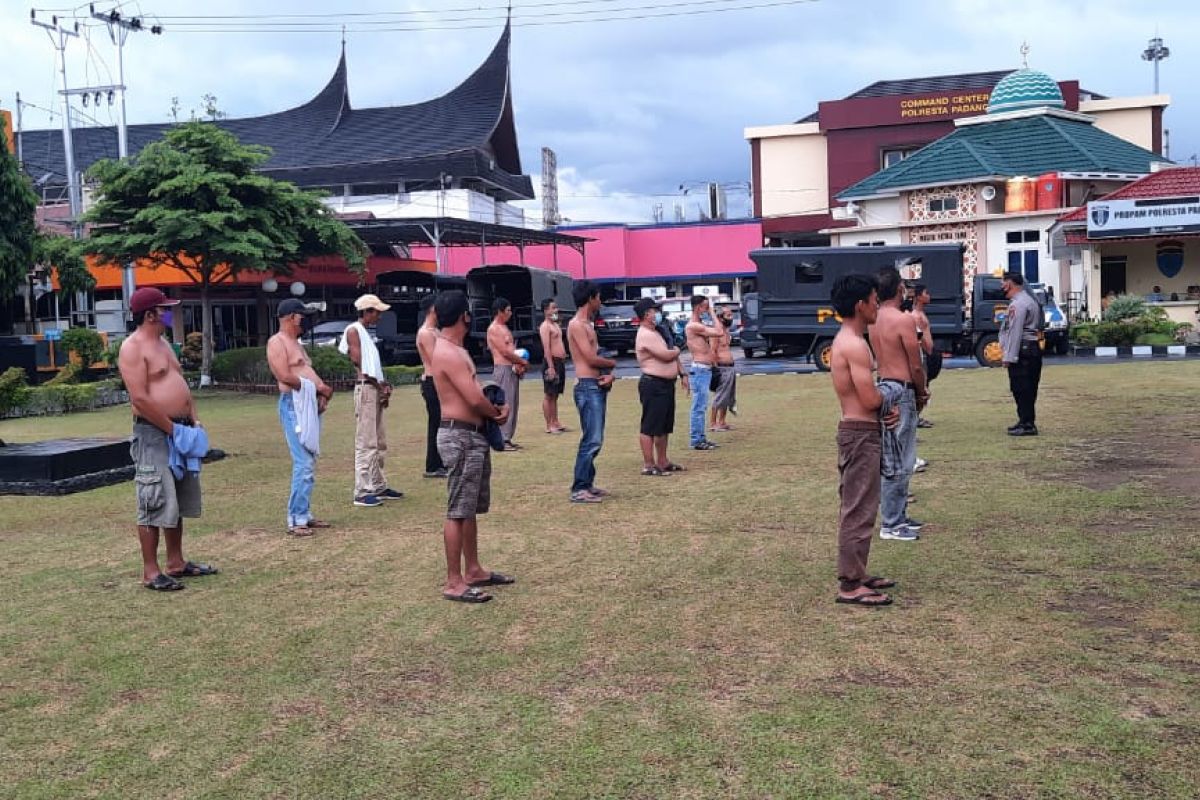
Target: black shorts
559	384
658	405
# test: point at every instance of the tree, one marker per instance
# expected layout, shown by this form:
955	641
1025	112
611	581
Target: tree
17	229
64	256
193	201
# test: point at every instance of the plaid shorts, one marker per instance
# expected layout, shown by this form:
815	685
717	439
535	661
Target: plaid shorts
468	461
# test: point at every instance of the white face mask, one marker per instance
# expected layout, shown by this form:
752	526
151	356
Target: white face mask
554	317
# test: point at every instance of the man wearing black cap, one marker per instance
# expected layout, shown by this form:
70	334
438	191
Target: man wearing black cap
293	370
161	400
660	367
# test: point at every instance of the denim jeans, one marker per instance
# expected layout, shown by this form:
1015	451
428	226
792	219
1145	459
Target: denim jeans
894	491
592	402
701	378
303	466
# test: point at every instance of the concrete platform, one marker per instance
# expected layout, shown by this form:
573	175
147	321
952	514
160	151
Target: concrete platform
63	466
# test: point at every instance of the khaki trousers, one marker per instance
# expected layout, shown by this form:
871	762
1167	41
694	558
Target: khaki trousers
370	440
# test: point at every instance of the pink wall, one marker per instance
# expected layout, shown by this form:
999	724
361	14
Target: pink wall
621	252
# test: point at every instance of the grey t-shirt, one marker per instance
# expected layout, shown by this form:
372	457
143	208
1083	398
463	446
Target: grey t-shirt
1020	325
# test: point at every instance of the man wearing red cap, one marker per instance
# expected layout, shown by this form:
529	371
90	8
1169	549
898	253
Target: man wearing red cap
161	400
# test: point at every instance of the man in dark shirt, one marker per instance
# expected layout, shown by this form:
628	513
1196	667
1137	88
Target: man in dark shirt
1022	352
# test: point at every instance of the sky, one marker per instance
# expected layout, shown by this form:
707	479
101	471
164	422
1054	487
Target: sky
634	108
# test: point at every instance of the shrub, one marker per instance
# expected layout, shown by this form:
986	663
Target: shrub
244	365
1118	334
1083	334
70	374
1154	339
332	365
402	376
192	354
12	389
84	343
1125	306
112	354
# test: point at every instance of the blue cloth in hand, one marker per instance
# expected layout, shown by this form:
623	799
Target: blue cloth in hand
187	446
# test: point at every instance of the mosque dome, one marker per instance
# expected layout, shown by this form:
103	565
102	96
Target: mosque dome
1025	88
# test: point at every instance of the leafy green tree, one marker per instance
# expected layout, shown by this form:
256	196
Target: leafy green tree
64	256
193	201
17	230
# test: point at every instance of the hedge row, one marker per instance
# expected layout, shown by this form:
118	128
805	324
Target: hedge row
18	399
248	366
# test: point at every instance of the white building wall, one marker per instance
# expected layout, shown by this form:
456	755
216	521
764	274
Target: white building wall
457	203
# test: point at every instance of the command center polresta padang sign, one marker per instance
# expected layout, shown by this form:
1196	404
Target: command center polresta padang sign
1117	219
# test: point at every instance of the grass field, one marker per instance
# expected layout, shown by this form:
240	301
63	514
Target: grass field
679	641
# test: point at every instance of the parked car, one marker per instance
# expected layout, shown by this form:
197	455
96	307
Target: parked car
329	333
1058	327
616	327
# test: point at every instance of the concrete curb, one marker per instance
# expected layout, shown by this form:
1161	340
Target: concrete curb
1137	351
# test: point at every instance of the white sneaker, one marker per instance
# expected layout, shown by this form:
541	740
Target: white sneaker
900	533
921	465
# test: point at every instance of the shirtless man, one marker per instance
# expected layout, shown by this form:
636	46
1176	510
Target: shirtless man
701	334
160	399
894	339
509	367
591	390
660	366
554	370
465	451
289	363
725	397
858	440
426	339
921	298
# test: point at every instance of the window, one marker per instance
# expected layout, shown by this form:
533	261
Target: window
1023	249
809	272
945	203
871	244
893	156
993	290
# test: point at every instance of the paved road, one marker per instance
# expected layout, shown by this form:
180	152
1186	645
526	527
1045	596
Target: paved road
627	366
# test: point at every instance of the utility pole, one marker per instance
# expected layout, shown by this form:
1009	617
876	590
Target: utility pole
58	37
20	130
119	28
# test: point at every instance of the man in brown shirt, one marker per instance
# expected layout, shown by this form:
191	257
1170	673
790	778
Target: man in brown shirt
554	368
160	400
660	366
509	367
858	440
465	451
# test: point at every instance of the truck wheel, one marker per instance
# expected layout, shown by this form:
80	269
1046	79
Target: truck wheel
748	352
1062	346
988	351
822	355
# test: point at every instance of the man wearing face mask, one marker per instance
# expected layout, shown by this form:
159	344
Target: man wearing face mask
163	410
724	398
554	370
299	385
660	366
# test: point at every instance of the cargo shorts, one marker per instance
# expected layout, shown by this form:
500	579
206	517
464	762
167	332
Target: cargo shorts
161	499
468	460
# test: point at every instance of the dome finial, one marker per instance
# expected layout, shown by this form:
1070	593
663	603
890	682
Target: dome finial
1025	55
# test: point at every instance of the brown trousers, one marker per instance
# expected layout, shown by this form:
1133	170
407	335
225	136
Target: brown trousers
859	453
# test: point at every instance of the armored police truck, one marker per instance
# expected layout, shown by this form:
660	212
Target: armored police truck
791	311
524	287
397	328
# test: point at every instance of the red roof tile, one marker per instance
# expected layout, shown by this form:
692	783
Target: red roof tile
1172	182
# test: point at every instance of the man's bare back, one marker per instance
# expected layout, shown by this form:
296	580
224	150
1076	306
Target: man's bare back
427	337
893	338
453	370
147	360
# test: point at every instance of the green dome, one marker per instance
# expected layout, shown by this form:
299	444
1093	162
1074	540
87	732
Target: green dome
1025	88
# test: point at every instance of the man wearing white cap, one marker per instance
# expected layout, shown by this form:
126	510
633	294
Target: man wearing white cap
371	395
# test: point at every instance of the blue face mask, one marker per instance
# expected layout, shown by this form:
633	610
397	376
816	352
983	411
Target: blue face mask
167	318
707	317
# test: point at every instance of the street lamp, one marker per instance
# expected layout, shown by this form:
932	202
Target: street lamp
1156	52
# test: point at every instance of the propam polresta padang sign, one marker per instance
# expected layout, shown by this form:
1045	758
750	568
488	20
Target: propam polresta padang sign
1108	219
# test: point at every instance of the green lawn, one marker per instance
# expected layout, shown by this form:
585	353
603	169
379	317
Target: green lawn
679	641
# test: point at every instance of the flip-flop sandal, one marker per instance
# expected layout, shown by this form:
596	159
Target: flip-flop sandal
301	531
673	467
654	471
495	579
164	583
875	582
471	595
193	570
872	599
509	447
316	523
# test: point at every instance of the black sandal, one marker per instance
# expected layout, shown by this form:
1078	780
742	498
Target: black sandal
164	583
653	471
193	570
471	595
673	467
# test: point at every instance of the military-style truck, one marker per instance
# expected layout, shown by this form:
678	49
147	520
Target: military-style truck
524	287
791	311
397	328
